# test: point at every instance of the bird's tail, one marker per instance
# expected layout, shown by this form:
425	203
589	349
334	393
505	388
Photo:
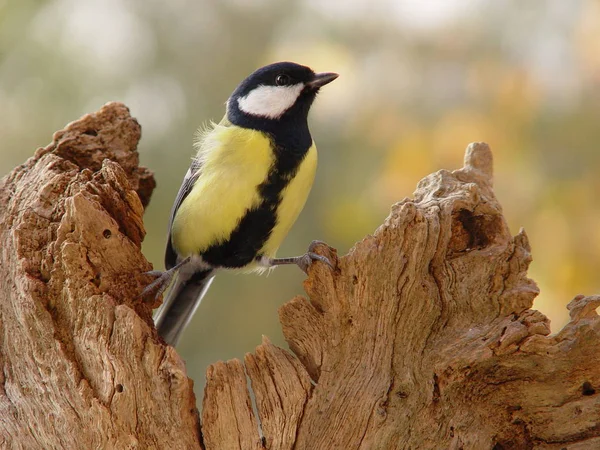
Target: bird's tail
180	304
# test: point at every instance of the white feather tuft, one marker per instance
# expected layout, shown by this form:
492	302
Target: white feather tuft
270	101
206	140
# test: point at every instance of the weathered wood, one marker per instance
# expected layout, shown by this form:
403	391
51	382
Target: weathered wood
82	367
422	337
229	399
281	387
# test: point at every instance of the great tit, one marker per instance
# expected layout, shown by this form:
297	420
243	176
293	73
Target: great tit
243	191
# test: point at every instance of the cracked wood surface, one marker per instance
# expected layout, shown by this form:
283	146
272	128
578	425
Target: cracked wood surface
422	337
82	367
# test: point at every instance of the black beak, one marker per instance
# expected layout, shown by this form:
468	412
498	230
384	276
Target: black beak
321	79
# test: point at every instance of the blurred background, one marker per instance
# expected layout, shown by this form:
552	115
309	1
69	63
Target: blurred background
419	81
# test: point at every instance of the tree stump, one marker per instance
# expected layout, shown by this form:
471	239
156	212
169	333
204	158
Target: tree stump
82	365
422	337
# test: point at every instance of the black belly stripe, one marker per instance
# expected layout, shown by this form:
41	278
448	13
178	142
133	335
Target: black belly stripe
254	229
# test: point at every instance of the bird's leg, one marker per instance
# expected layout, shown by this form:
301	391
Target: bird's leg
302	261
163	278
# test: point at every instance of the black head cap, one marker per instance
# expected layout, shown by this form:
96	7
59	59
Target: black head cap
277	93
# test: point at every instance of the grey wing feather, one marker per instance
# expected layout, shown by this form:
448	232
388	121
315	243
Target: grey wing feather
186	187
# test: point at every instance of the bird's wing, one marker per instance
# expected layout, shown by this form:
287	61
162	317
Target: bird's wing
186	187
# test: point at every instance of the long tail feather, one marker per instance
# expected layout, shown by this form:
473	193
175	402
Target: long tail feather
180	305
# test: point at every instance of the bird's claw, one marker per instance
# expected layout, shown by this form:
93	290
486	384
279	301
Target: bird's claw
163	279
154	273
307	259
303	261
158	286
314	244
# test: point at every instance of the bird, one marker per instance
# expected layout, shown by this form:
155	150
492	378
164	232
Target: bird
245	187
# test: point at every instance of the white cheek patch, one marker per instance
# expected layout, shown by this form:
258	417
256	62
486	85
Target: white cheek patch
270	101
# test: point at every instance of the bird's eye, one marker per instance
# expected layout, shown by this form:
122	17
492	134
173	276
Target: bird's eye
283	80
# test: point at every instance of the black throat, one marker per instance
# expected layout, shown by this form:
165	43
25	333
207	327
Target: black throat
290	140
289	132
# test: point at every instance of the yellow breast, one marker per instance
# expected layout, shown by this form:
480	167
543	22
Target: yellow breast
293	199
234	162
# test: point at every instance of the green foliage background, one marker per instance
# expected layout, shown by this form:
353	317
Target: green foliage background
419	81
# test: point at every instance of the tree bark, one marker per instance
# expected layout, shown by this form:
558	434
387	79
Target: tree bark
422	336
82	367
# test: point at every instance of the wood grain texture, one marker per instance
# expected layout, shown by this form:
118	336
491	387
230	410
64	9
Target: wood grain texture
229	399
282	387
82	365
424	337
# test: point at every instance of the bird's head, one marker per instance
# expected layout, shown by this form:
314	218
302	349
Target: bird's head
275	93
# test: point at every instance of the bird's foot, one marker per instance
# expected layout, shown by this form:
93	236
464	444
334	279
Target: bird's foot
303	261
160	284
163	280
